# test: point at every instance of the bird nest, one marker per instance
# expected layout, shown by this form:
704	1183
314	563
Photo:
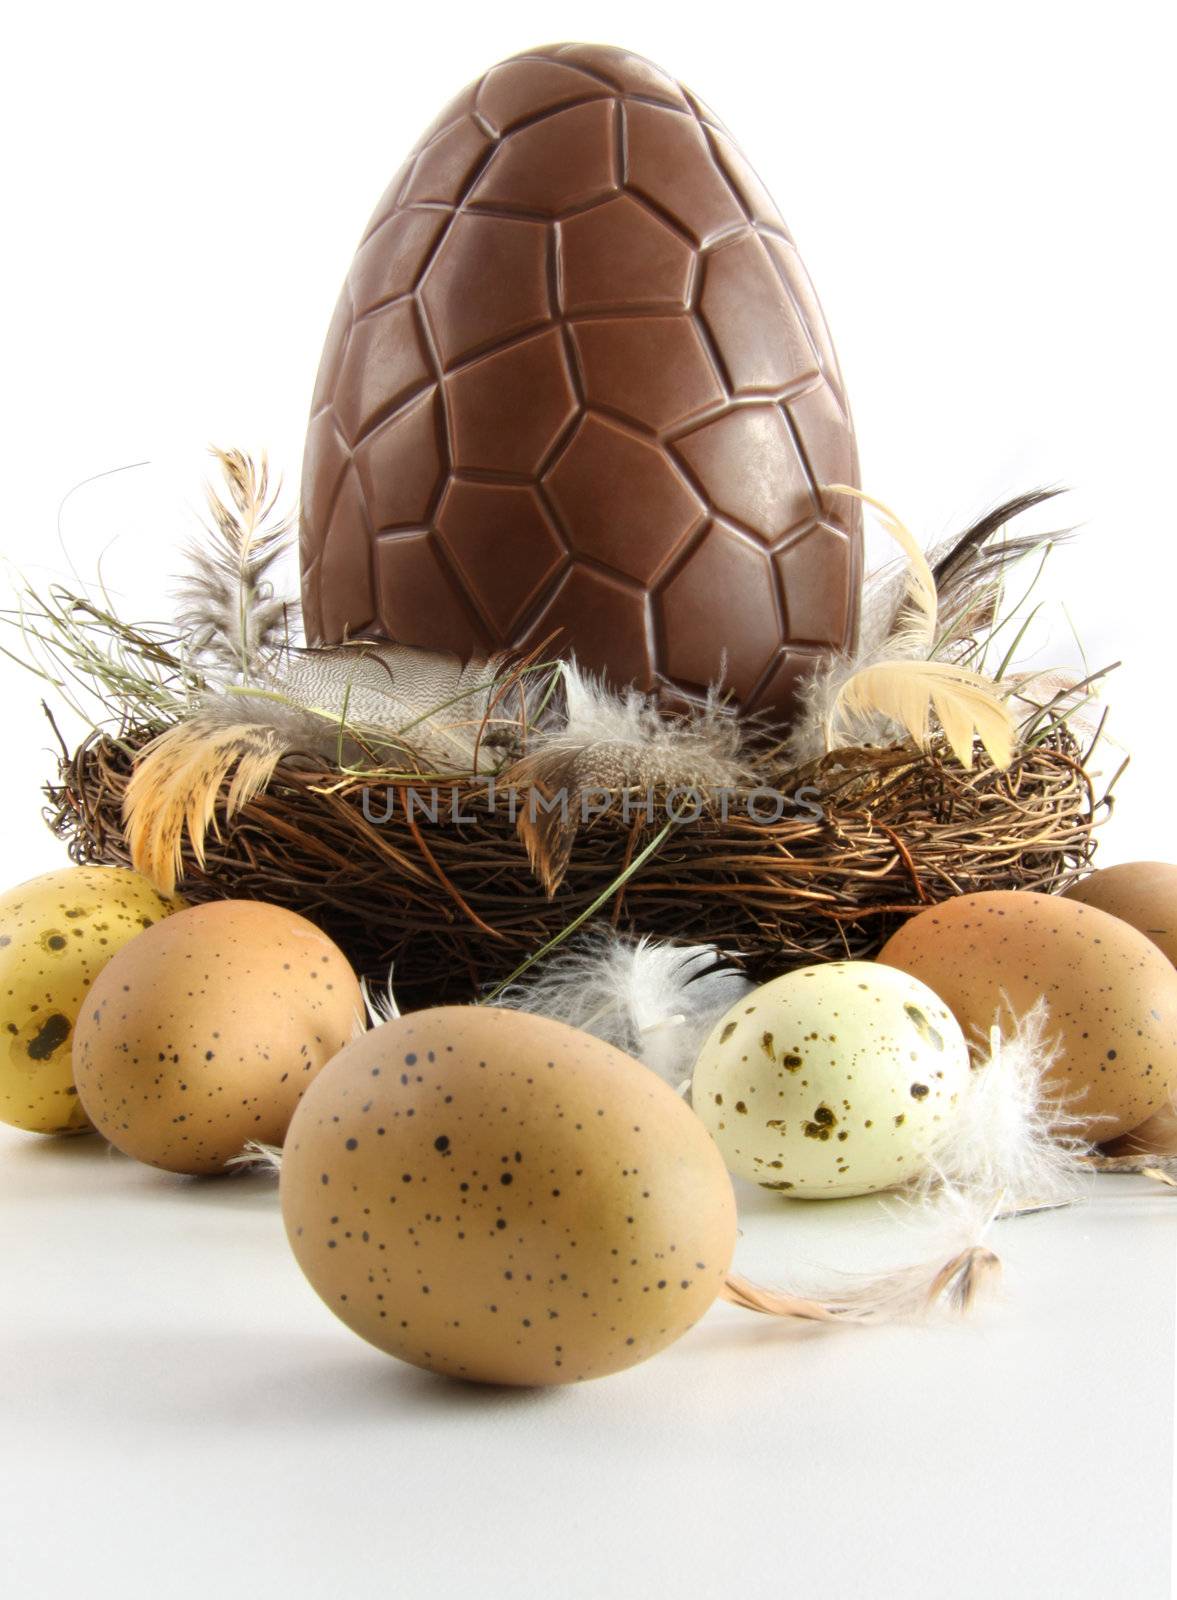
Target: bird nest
436	881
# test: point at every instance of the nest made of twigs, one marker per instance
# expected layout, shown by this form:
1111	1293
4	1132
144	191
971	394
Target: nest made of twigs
454	906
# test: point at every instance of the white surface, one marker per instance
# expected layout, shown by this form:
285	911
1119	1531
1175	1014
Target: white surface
980	196
182	1416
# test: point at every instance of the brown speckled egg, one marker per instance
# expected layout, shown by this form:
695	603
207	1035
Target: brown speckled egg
1141	893
1112	994
57	932
1156	1137
499	1197
204	1032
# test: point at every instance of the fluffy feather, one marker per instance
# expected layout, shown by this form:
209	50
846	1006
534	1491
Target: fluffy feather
364	703
913	625
953	1266
906	692
229	611
618	739
1013	1143
177	780
607	741
967	574
655	1000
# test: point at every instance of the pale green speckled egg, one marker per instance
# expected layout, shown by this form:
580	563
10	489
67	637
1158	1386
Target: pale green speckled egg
832	1080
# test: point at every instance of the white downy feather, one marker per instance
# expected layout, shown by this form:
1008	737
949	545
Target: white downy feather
655	1000
1014	1143
382	1004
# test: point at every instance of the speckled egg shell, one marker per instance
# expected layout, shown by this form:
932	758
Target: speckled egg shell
502	1198
57	932
205	1032
1156	1137
1141	893
831	1080
1112	994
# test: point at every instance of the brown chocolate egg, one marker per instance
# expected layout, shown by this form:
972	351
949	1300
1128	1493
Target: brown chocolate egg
499	1197
1112	995
204	1032
578	388
1141	893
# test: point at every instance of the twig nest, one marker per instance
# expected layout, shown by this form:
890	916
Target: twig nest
203	1033
500	1197
1112	995
832	1080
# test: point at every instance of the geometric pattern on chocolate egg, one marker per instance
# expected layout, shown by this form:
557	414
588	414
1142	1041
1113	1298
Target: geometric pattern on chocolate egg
578	385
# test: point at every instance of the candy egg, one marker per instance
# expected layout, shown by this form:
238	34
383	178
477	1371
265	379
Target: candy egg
500	1197
578	394
1112	994
57	932
831	1080
1141	893
204	1032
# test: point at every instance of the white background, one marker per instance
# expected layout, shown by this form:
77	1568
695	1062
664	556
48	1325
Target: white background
983	198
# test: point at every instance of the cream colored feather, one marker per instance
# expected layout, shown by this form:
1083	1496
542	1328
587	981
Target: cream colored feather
177	780
914	632
966	706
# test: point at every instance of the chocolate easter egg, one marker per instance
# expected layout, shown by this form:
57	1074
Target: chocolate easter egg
578	392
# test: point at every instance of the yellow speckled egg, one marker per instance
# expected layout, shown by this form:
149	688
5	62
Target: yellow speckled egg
57	932
1141	893
500	1197
1112	994
831	1080
205	1031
